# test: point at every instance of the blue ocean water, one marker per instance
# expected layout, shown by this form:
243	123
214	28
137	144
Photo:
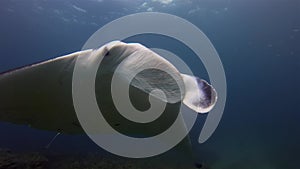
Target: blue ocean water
258	42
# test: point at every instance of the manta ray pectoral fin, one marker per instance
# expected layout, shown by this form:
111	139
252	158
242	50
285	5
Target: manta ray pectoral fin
199	94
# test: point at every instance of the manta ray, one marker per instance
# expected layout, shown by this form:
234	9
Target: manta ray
40	95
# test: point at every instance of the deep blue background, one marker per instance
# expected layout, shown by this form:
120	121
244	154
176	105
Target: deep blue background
258	42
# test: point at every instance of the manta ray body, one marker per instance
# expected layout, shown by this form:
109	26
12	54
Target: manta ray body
40	95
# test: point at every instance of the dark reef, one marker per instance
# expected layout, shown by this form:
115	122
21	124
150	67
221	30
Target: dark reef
36	160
